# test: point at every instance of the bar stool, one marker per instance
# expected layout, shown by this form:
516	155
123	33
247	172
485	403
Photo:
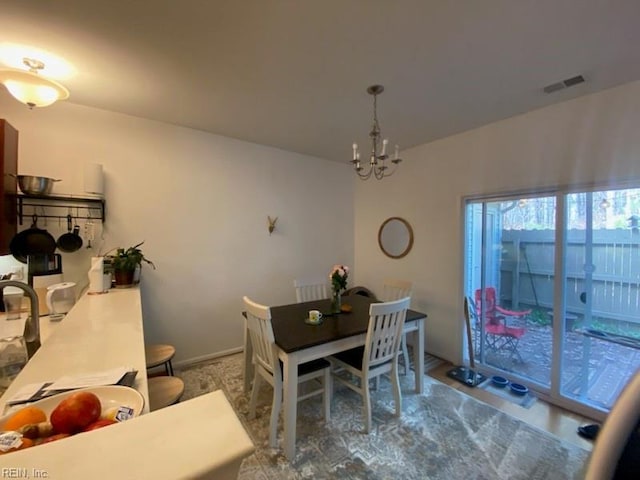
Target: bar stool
164	391
160	354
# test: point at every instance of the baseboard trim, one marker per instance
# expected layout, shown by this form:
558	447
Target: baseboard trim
206	358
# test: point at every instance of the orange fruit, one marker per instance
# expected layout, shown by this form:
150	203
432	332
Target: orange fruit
25	416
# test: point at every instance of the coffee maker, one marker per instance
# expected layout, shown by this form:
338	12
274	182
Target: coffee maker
44	270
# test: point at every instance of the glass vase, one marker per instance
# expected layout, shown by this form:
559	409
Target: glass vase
336	302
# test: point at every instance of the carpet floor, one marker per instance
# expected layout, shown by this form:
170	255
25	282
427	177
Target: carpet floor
441	434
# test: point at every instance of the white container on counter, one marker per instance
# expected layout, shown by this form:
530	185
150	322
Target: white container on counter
61	298
96	275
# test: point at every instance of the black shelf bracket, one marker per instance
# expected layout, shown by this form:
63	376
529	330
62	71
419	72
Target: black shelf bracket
89	208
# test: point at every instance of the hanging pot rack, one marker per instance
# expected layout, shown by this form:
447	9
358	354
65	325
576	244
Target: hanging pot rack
58	206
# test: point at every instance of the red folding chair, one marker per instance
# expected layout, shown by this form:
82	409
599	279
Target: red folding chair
499	336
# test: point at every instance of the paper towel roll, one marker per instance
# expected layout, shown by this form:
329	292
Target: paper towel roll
93	178
96	281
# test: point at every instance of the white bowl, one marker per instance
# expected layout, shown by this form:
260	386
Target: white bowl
110	396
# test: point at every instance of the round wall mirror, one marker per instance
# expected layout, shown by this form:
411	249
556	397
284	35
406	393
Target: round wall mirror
395	237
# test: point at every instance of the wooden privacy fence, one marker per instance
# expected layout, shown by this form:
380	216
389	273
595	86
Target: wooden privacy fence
527	271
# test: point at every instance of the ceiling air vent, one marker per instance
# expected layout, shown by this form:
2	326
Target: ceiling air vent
569	82
554	87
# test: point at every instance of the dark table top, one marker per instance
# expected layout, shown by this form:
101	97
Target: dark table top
292	333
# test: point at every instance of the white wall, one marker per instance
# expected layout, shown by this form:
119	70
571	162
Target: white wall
200	202
591	139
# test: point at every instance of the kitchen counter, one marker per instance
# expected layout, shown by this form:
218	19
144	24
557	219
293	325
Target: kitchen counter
101	332
198	438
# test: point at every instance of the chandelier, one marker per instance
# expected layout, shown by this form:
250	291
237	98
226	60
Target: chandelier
30	88
377	166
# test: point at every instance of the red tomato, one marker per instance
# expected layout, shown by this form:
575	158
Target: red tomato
99	424
76	412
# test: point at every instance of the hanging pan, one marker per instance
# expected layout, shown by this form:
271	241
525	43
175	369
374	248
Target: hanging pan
70	241
32	241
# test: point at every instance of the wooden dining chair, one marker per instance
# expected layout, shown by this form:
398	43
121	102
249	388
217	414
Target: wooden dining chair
312	288
379	354
268	367
395	289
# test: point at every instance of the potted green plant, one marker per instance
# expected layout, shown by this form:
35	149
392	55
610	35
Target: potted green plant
125	262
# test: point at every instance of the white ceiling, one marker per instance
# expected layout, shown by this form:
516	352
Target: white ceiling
293	73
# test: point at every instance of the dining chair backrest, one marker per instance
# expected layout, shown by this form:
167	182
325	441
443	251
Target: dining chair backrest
261	334
384	334
313	288
395	289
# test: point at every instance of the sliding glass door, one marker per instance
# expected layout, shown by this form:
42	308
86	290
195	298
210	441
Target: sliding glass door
553	281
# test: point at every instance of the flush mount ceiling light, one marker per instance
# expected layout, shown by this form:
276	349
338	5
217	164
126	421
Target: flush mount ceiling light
30	88
377	166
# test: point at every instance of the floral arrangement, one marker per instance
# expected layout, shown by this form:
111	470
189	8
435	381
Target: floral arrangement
338	276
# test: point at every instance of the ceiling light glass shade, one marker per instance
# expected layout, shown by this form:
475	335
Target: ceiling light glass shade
32	89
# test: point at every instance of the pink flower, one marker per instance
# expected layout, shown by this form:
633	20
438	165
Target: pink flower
338	277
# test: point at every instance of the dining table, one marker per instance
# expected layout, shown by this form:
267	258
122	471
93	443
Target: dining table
299	342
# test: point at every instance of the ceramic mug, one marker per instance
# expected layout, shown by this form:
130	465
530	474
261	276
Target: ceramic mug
315	316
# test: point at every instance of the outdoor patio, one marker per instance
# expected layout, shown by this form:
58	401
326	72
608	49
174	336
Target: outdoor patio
609	365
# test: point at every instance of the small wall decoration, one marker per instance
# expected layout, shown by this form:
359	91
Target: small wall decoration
272	224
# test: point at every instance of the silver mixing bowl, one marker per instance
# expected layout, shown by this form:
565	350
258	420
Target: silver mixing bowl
32	185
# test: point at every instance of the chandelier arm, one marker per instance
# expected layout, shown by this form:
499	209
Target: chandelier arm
382	171
391	171
365	176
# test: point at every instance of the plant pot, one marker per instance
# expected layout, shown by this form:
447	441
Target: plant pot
123	278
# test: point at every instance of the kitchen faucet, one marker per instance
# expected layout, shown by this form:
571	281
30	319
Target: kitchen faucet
32	327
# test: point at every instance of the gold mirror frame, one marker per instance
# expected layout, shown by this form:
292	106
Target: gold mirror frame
386	248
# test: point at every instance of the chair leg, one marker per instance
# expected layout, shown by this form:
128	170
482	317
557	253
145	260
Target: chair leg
327	394
366	400
397	394
514	349
275	414
254	395
405	354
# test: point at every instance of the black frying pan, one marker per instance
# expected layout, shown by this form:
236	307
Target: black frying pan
70	241
32	241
